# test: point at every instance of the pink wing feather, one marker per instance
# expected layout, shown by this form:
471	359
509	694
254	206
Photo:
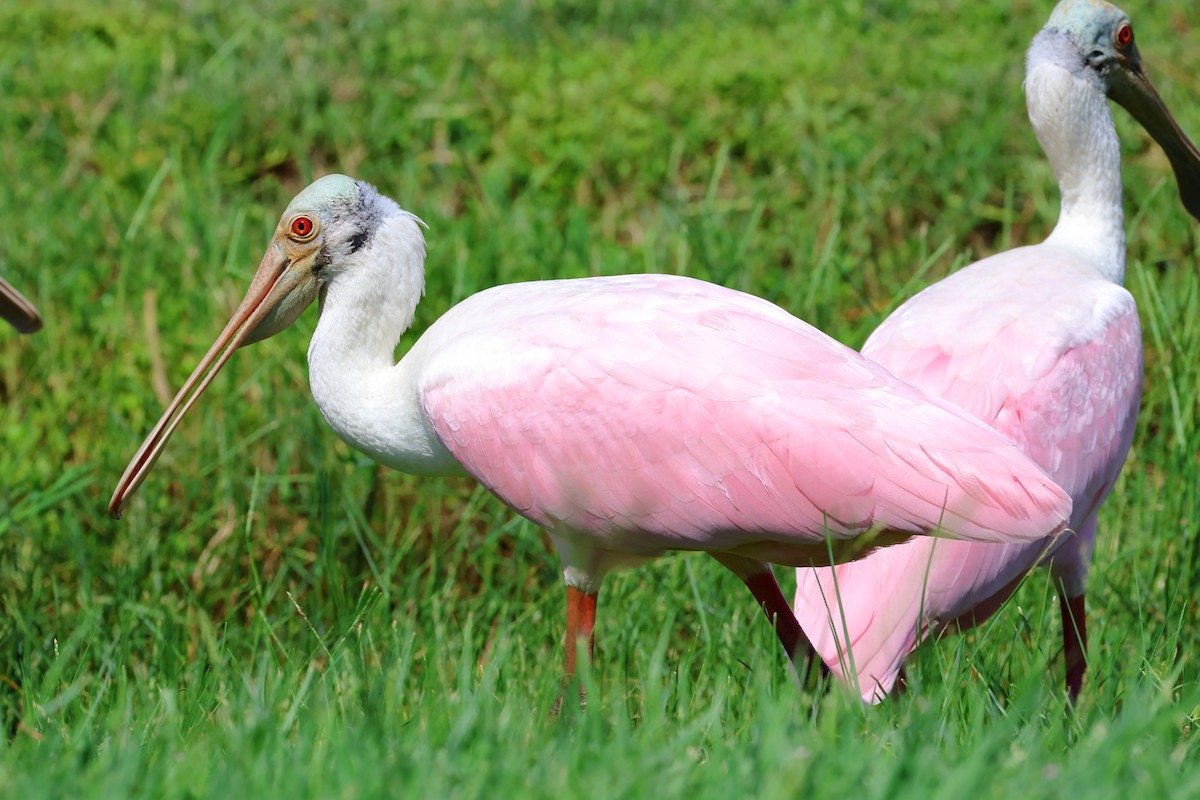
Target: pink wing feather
1053	360
654	412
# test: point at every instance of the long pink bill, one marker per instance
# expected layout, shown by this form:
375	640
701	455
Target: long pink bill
265	291
18	311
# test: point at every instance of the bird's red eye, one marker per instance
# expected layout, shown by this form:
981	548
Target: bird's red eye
302	227
1124	35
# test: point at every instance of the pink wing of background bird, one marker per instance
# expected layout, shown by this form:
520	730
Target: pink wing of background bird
585	408
1061	379
1042	341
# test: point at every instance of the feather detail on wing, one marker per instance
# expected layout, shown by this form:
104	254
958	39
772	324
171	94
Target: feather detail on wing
658	412
1058	370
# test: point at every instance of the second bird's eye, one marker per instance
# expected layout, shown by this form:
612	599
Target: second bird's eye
1124	35
303	227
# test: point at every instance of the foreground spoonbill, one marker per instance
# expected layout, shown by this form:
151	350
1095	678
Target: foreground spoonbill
628	415
17	311
1041	342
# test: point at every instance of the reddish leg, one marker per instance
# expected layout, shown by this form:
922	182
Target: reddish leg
581	622
1074	642
760	580
770	597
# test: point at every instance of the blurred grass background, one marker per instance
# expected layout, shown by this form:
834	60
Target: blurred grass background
278	614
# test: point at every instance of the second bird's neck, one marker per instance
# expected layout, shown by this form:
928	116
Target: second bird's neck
1074	125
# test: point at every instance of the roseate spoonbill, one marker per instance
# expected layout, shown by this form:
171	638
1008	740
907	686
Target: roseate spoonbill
1041	342
627	415
17	311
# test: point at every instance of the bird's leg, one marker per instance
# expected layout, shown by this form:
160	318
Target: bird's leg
1069	566
760	580
581	624
1074	642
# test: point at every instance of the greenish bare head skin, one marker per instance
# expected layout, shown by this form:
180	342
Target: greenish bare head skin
1094	40
1091	23
324	193
325	224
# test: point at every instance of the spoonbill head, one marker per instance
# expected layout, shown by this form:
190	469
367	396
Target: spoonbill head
319	234
1041	342
1095	40
17	311
628	416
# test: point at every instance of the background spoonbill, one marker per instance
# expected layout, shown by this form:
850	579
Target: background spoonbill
17	311
1043	343
628	416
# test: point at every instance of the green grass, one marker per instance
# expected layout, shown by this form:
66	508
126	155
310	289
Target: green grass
276	615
